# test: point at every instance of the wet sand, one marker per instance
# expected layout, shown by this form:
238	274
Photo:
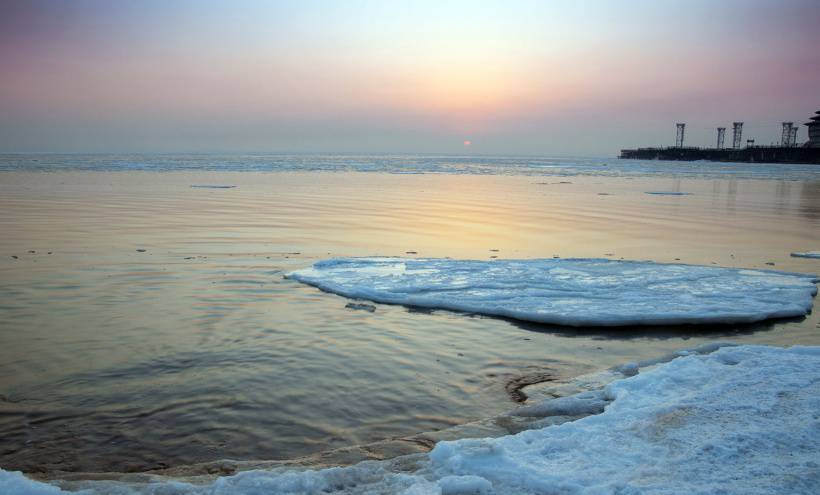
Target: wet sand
145	323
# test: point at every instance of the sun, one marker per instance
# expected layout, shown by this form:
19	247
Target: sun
467	143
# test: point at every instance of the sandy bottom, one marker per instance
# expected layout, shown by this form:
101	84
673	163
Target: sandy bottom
145	324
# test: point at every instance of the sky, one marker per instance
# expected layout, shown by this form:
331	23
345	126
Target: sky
485	77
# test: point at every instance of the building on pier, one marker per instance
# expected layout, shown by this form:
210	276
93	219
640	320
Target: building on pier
814	131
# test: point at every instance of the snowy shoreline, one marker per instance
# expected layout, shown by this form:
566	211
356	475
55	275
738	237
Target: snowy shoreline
741	419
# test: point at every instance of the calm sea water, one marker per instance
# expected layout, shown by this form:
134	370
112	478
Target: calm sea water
437	164
146	323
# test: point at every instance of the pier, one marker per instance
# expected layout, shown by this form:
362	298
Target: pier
788	151
755	154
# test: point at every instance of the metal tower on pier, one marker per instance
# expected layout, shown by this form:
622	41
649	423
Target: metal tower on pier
794	137
679	136
737	132
786	136
721	135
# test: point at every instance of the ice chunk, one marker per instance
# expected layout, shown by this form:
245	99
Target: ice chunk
585	403
807	254
740	420
575	292
14	483
628	369
465	485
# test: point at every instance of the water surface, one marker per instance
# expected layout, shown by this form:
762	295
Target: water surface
146	323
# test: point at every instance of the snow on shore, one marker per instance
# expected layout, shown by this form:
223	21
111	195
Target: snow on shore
575	292
741	420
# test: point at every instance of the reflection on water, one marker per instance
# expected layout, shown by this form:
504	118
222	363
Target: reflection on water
196	349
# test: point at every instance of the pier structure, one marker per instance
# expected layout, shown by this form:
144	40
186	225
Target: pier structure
679	135
737	133
814	130
786	135
787	152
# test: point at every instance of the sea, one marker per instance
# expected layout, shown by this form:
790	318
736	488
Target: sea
146	322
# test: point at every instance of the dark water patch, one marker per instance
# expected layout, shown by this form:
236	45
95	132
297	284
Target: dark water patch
515	387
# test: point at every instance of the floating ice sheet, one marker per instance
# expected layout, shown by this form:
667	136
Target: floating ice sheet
575	292
741	420
807	254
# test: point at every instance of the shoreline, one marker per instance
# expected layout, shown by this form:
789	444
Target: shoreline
494	426
582	407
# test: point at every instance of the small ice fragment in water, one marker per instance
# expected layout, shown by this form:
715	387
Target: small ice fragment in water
573	292
807	254
583	404
361	307
628	369
140	250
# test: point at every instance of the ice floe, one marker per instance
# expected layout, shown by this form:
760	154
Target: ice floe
574	292
739	420
807	254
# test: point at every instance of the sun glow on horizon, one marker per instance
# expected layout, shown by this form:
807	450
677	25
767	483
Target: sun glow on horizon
415	76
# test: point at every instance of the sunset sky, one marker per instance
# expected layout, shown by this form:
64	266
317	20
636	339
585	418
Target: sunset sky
515	77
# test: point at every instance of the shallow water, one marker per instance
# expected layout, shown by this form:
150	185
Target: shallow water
197	348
